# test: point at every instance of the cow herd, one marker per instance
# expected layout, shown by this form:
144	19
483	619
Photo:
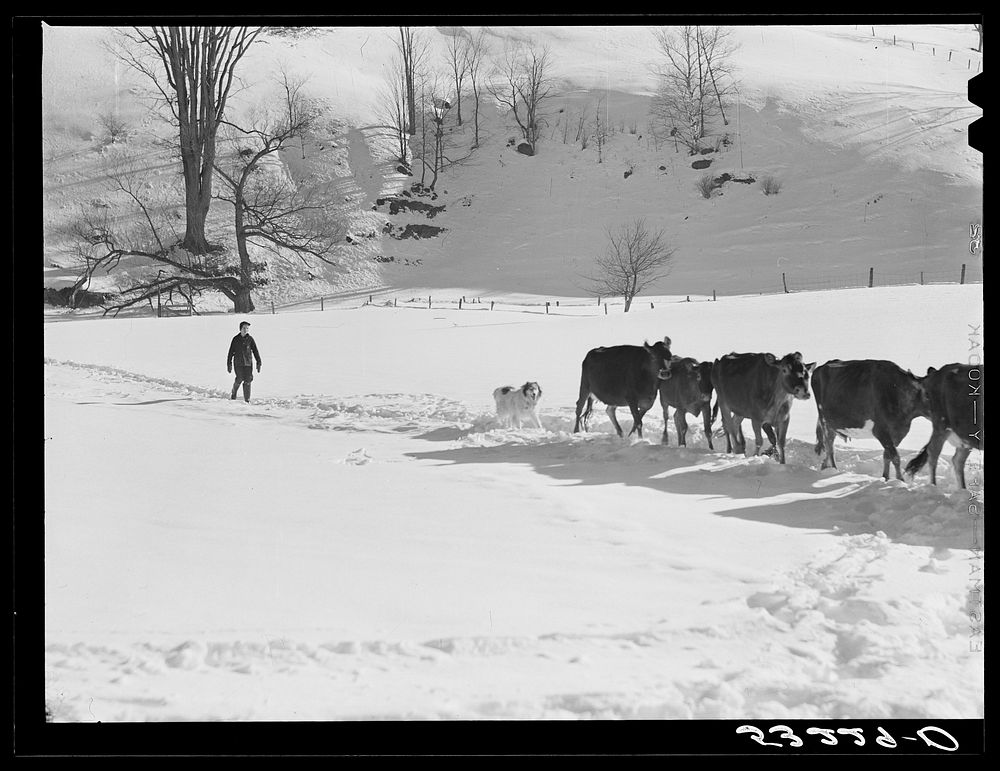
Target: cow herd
874	396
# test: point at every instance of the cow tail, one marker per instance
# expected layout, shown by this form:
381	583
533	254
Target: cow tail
820	438
715	411
918	462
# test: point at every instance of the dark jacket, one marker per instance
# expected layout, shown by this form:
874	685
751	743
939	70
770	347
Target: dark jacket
242	352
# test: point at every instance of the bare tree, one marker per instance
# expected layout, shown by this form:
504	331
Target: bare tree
633	259
695	75
476	54
138	234
192	69
457	53
521	82
433	106
287	217
115	128
601	131
413	50
392	108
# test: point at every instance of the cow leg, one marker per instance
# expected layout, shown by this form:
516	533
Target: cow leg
889	453
769	430
728	423
680	421
934	451
739	440
666	420
782	432
614	420
637	415
829	436
706	414
958	464
581	414
757	438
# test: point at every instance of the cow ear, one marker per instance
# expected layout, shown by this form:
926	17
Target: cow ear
797	356
769	358
930	371
810	367
666	341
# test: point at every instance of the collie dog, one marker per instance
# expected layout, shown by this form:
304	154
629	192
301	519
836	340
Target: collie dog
516	406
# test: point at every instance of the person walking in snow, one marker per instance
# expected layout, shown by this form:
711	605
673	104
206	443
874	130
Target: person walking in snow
242	352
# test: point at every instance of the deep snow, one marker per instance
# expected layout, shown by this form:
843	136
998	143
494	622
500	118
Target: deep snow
364	542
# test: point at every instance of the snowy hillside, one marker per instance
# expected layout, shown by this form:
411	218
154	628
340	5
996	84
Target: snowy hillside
867	139
364	541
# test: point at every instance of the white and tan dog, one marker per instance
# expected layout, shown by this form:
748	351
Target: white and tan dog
518	405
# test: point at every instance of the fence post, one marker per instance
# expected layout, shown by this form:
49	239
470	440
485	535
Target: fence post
546	307
460	302
963	274
651	306
688	298
913	45
921	278
598	301
605	309
713	295
894	40
491	304
933	51
871	277
159	312
393	302
949	56
784	284
321	303
428	302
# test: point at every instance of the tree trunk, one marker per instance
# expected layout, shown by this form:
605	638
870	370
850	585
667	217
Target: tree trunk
475	111
242	302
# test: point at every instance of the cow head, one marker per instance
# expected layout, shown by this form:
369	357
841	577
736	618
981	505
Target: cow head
705	380
686	376
921	400
660	353
793	373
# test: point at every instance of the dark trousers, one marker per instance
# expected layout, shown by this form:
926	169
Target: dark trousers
244	375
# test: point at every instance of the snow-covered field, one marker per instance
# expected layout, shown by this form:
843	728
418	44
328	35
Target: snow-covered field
364	541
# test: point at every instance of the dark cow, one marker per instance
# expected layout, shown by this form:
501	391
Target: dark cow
622	375
761	387
868	394
955	396
687	388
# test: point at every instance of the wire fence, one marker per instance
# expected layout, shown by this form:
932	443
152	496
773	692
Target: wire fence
786	283
973	59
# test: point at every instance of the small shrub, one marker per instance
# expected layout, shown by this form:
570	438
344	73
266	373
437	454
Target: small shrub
115	129
706	185
770	185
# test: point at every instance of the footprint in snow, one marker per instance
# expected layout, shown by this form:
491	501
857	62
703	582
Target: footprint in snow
358	458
